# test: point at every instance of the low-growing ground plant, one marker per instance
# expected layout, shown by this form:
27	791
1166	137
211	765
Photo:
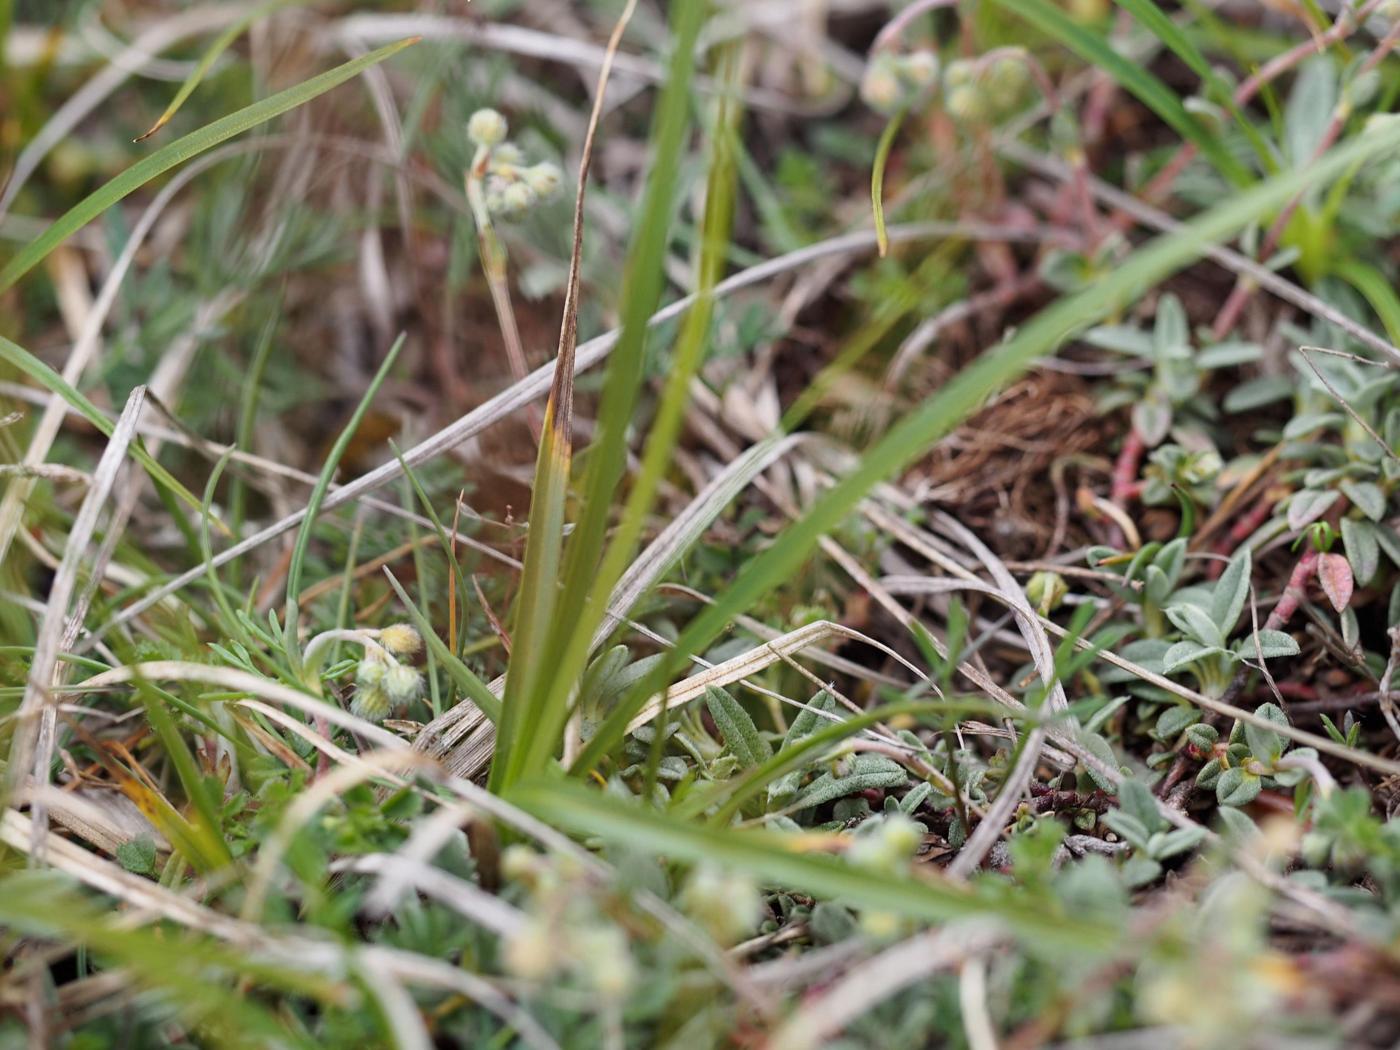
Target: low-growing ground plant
865	527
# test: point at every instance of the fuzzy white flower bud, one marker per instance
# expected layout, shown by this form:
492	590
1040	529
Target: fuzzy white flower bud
487	128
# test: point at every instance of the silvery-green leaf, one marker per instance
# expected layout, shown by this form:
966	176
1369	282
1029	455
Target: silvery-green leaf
1272	644
1135	799
1307	506
1121	338
1173	722
1209	775
1258	392
1266	744
1389	542
1103	751
1152	419
1140	869
741	736
1128	827
1309	110
1237	788
1171	330
1140	560
1156	587
1364	553
1171	558
1195	623
1231	591
864	771
1351	629
1181	654
1179	840
1226	355
1305	423
1238	824
1367	496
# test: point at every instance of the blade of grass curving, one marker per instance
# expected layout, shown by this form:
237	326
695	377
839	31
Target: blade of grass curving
574	631
958	398
181	150
248	415
532	666
877	180
1169	33
323	482
25	362
772	858
206	61
1377	290
1091	47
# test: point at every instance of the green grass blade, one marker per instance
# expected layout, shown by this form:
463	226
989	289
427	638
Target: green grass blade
532	702
877	180
575	631
1169	33
181	150
323	482
206	61
771	858
25	362
961	396
1152	92
1376	288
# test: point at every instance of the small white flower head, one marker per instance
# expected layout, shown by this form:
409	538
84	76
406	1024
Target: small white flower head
880	88
487	128
726	905
919	69
532	953
371	703
543	179
515	198
964	103
401	639
370	673
506	157
888	846
402	683
960	71
1006	81
604	961
519	862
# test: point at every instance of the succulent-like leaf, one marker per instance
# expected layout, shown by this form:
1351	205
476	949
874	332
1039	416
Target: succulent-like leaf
1307	506
1334	573
1231	591
1237	788
1271	644
1367	496
1193	621
1363	551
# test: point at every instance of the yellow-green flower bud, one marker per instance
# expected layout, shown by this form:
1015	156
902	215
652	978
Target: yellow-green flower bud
487	128
919	69
881	88
401	639
1046	590
543	179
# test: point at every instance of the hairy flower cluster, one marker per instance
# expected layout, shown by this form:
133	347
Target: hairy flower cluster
511	186
382	683
564	933
974	89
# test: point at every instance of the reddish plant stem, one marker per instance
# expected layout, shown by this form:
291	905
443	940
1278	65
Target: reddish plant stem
1295	592
1125	485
